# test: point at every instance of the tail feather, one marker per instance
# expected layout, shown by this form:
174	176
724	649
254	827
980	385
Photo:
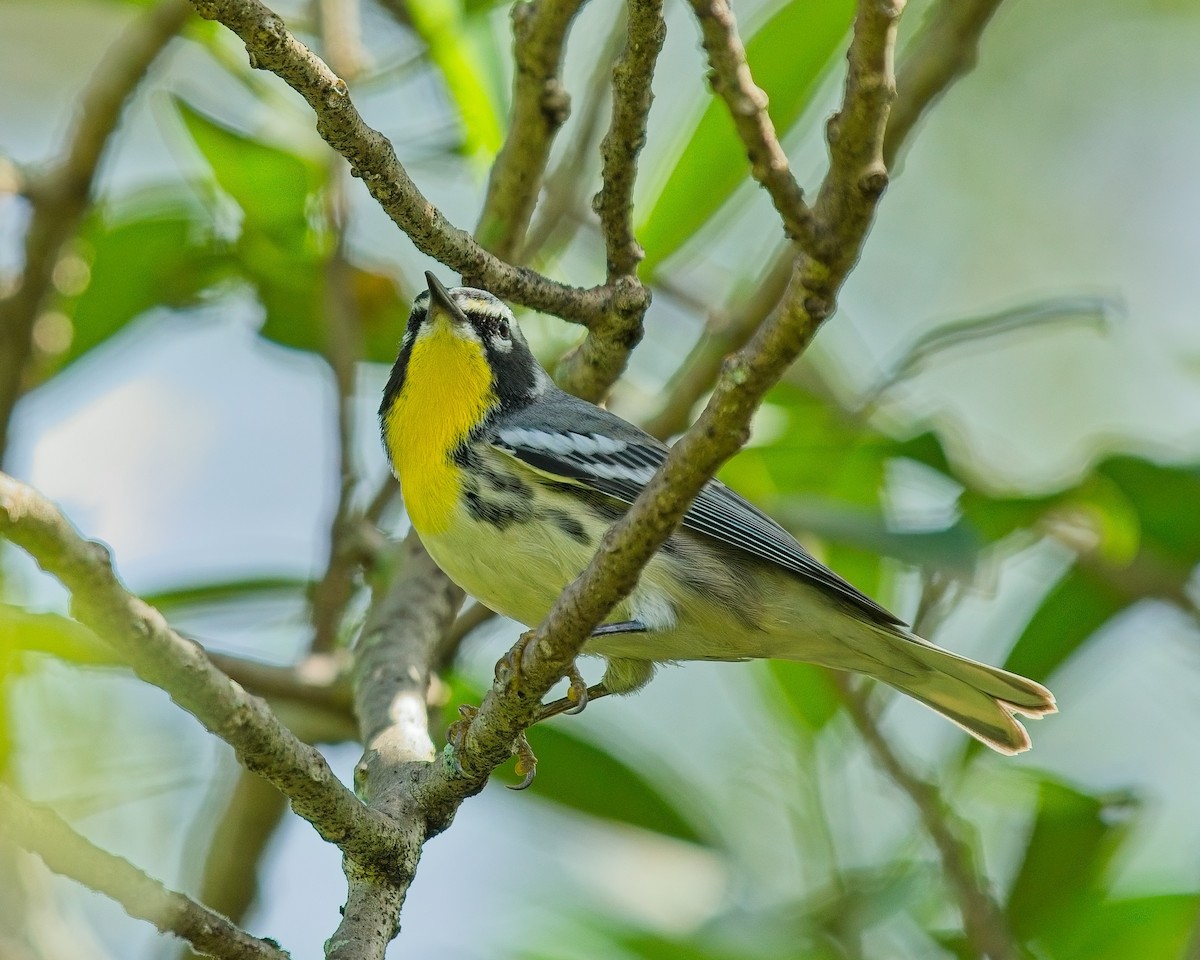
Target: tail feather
981	699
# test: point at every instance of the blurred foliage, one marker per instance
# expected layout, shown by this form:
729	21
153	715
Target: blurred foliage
790	52
257	220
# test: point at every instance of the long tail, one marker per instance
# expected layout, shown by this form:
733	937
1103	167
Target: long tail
981	699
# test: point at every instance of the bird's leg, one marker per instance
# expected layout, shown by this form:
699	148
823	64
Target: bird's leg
625	626
579	694
576	699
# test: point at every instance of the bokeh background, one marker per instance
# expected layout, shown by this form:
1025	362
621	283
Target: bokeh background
997	433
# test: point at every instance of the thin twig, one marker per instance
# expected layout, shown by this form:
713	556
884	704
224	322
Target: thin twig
334	591
64	851
342	37
632	81
385	496
162	657
465	623
319	682
983	920
595	364
60	197
373	159
732	81
857	175
540	106
944	48
565	187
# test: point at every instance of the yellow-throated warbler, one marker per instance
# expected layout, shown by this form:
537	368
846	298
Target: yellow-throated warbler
511	483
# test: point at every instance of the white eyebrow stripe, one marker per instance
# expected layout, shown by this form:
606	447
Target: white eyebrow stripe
489	308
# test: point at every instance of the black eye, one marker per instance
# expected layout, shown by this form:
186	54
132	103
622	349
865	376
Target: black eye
502	329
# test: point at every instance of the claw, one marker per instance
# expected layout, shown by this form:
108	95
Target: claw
526	762
574	701
456	734
508	667
578	691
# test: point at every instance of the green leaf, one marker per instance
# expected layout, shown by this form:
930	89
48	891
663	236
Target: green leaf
788	54
271	185
1143	927
217	592
1160	493
1076	608
1071	847
1059	901
807	690
818	451
584	776
459	54
22	631
152	251
279	250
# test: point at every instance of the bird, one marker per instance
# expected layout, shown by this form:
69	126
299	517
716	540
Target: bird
510	483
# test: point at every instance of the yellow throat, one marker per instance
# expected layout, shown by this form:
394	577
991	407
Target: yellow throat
447	392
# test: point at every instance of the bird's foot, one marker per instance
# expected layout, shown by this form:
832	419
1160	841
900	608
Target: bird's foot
456	735
576	699
509	667
526	762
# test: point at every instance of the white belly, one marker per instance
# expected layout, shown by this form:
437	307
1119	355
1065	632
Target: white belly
520	571
518	576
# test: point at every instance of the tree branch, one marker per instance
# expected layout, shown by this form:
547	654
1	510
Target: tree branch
983	920
732	81
540	106
179	666
632	78
944	49
392	667
318	684
60	197
65	851
565	187
373	159
857	174
591	368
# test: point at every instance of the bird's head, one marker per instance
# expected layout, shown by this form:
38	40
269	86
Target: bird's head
461	346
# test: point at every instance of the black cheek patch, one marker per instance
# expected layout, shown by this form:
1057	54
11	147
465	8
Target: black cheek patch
514	375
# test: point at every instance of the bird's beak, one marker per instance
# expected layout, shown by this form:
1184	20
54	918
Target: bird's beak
441	305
